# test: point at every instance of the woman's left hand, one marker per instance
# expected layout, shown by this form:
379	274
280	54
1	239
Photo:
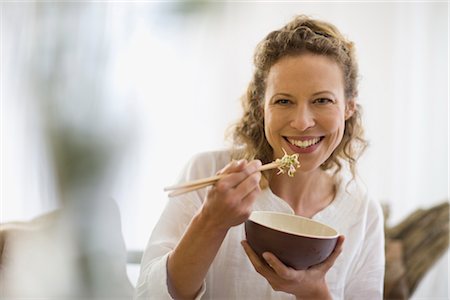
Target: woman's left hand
304	284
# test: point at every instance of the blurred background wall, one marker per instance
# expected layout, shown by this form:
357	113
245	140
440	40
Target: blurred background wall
158	82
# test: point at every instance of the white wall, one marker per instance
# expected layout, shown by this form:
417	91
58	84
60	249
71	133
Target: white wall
174	81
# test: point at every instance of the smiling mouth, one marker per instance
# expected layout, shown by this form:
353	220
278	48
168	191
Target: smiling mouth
304	143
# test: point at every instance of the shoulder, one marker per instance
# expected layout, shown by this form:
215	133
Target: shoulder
214	157
360	218
205	164
356	199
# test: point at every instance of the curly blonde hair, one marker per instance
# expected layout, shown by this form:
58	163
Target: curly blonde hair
301	35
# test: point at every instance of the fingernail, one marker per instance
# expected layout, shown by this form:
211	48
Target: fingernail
258	164
266	256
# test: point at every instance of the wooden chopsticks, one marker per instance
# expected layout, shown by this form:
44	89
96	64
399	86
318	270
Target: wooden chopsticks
204	182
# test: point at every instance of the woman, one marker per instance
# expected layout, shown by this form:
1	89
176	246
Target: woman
301	99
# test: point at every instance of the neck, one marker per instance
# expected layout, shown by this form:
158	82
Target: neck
307	192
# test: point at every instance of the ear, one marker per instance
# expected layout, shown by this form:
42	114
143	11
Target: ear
350	108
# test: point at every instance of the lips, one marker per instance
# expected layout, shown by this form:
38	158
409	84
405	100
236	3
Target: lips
303	144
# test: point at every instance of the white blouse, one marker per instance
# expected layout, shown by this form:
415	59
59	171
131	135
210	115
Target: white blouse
358	272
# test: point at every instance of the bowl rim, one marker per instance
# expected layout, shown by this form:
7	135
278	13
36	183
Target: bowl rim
292	232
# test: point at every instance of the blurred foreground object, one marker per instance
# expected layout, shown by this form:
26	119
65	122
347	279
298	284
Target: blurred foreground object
77	251
61	56
50	258
413	247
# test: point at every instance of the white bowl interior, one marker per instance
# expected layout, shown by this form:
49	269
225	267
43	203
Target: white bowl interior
293	224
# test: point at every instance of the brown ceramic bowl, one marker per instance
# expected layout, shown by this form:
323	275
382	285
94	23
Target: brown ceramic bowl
297	241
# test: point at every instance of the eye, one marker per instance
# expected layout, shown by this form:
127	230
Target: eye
283	101
323	101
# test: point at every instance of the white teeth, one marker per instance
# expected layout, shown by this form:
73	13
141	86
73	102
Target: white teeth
304	144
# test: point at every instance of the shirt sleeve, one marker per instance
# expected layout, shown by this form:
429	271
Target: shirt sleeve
152	282
178	213
367	277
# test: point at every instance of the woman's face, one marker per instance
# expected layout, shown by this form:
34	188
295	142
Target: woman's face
305	108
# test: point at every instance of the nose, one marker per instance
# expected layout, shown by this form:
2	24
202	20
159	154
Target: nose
303	118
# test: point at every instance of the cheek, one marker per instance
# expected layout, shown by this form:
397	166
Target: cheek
337	128
267	124
269	120
273	124
336	125
333	122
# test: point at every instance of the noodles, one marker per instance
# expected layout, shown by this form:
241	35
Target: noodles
288	163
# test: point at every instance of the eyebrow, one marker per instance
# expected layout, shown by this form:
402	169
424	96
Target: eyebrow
282	94
314	94
323	92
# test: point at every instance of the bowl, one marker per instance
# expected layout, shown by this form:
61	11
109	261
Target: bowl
297	241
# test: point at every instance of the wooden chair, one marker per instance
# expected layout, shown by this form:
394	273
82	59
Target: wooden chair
412	247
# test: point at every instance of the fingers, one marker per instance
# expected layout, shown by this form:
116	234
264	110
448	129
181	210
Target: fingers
249	187
329	262
279	267
238	173
233	166
269	265
229	202
279	276
260	266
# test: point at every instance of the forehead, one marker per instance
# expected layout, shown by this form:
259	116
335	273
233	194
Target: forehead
308	72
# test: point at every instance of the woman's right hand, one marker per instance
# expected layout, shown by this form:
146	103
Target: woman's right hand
229	202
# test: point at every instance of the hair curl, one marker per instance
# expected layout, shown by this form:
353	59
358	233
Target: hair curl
301	35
